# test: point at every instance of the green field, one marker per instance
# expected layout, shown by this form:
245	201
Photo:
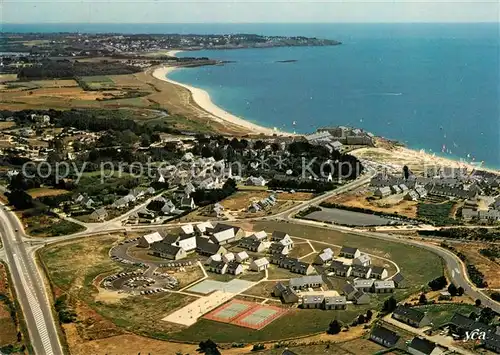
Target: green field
96	82
418	266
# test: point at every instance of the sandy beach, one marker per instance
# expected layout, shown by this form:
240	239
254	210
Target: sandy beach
202	98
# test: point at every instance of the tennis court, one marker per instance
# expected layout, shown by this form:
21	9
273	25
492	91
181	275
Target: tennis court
246	314
229	311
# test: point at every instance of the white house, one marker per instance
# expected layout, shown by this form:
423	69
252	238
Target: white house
241	256
259	264
146	240
228	257
362	260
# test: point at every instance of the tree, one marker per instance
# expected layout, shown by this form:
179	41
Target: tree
20	199
334	327
422	299
452	289
406	172
486	315
473	316
209	347
390	304
361	319
460	291
438	283
495	296
369	315
478	303
145	140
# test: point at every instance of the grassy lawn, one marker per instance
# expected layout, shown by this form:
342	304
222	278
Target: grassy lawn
436	213
439	314
419	266
46	226
276	273
300	249
295	323
262	289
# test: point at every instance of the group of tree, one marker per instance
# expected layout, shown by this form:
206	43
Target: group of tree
390	305
334	327
476	276
455	291
66	69
438	283
63	309
208	347
484	234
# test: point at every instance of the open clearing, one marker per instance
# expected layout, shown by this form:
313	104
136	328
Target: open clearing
489	268
45	191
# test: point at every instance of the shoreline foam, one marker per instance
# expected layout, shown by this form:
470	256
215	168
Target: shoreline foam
202	98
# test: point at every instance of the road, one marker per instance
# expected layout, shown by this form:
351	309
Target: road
29	286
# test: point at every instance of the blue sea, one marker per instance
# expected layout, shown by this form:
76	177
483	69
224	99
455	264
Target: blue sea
431	86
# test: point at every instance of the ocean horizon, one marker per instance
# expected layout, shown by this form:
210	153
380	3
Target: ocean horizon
430	86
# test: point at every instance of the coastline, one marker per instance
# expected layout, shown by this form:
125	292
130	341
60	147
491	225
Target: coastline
202	99
401	155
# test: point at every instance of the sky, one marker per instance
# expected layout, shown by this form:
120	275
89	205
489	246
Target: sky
247	11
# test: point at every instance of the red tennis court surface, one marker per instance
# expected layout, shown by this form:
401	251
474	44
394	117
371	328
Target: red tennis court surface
246	314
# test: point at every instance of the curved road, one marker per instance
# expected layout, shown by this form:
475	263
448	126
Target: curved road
30	288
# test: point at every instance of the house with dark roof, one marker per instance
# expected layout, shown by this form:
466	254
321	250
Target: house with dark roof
360	297
286	293
205	247
460	324
349	291
349	252
251	244
378	272
361	271
411	316
218	267
384	336
278	248
492	342
234	268
399	280
164	249
340	269
278	236
422	346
